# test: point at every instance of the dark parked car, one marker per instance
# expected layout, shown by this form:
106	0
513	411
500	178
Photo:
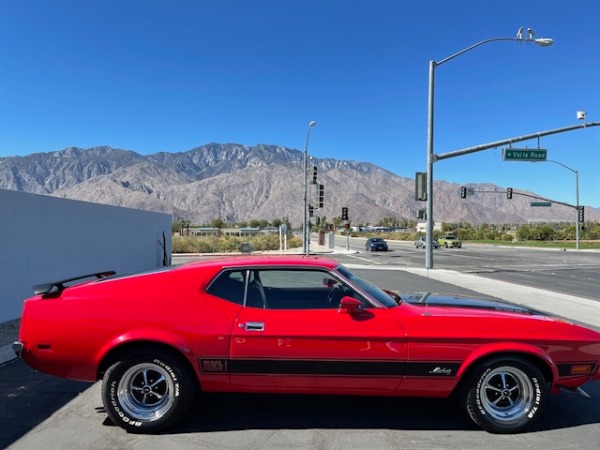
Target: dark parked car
376	244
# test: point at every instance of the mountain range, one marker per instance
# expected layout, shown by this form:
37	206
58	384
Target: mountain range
236	183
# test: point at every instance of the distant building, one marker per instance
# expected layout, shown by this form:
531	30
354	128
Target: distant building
242	231
422	227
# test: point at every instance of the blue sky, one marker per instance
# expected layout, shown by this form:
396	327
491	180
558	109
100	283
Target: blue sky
153	76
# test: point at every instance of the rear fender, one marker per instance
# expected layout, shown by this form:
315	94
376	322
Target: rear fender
144	335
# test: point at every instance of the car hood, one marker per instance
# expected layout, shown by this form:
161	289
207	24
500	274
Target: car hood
428	299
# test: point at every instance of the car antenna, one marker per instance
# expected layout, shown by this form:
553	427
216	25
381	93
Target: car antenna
423	299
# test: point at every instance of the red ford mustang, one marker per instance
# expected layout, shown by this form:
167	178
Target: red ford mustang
300	324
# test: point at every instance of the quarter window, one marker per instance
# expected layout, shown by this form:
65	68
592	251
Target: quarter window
229	285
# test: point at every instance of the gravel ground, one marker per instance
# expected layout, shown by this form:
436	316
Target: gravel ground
9	332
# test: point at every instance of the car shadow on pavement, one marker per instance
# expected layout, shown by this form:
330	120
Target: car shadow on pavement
30	397
229	412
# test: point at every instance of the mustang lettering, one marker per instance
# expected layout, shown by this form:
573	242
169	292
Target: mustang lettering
442	371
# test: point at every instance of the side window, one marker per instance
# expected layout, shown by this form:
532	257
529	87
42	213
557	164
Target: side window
303	289
229	285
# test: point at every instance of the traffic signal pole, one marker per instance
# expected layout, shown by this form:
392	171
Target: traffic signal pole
432	158
527	137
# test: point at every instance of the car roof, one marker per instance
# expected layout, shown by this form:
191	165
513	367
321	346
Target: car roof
264	260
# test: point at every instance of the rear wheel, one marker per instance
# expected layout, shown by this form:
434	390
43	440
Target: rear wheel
147	393
505	395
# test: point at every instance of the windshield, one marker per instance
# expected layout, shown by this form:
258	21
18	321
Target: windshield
369	288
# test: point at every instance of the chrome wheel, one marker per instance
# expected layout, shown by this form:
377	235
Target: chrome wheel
507	394
146	392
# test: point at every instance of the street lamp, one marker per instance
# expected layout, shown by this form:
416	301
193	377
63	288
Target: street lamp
576	198
544	42
305	227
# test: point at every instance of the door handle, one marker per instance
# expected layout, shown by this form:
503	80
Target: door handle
255	326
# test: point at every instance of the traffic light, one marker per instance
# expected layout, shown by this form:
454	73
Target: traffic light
463	192
509	193
321	196
344	213
581	214
311	210
421	186
314	177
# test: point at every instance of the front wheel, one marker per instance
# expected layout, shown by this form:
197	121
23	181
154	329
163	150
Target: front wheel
505	395
145	394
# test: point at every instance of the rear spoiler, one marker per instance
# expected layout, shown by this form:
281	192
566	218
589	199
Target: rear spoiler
46	288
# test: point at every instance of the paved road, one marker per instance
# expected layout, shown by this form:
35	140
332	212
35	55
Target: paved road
566	271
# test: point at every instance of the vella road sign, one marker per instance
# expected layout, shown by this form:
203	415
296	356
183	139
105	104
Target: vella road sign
541	204
524	154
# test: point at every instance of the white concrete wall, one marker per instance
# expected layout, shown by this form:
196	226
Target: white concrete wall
45	239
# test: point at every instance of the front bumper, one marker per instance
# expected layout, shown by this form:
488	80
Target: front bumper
17	348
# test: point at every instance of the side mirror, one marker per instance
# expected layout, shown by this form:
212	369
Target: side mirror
329	282
395	296
350	304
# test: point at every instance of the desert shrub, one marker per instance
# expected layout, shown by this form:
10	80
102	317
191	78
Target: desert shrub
229	244
184	244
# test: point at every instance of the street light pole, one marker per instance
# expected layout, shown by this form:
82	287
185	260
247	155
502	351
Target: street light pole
431	157
305	227
576	198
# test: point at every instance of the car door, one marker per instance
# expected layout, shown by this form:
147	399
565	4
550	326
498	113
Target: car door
301	340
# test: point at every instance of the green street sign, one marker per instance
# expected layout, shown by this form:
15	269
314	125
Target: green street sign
541	204
524	154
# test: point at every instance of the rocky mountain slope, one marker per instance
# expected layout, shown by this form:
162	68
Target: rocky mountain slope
239	183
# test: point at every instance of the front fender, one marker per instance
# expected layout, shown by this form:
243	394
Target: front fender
504	348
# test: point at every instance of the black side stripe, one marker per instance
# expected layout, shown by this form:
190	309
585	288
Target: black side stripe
320	367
